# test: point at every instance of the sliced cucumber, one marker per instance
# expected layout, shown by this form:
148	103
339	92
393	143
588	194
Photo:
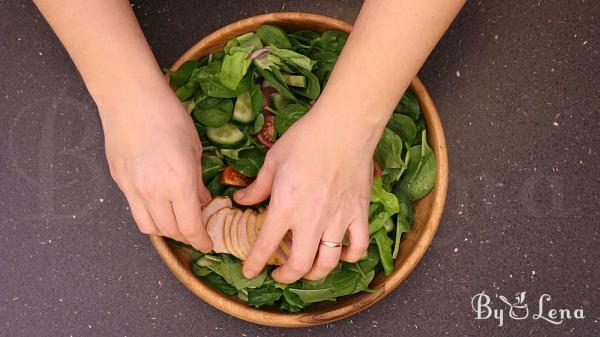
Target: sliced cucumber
266	83
295	80
227	136
242	112
279	101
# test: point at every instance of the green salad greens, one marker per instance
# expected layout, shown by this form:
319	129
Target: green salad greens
245	97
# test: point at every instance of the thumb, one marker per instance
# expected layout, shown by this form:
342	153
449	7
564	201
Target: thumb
259	190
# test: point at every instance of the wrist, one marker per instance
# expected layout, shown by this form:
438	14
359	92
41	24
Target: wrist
133	96
355	120
344	126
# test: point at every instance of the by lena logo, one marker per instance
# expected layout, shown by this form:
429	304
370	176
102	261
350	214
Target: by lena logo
519	309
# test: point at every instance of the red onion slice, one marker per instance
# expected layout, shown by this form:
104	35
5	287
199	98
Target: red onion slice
260	53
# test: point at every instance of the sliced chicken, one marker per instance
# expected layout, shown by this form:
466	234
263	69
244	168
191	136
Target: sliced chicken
234	231
214	205
227	232
242	233
215	229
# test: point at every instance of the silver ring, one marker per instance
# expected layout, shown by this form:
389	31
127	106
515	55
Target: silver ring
330	244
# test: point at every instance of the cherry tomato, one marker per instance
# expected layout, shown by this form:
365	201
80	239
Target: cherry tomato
265	135
231	177
267	92
377	171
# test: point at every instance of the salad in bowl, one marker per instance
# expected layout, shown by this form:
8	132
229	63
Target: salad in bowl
242	100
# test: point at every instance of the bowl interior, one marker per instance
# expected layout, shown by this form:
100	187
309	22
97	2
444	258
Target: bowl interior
413	246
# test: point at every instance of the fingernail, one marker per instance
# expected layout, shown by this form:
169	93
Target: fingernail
205	199
205	250
240	194
274	274
249	273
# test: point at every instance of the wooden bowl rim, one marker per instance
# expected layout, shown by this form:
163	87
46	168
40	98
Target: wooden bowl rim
313	318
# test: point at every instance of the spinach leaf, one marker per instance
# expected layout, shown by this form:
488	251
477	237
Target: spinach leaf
219	283
200	271
259	122
288	116
291	301
384	244
313	88
182	75
405	217
256	99
294	58
234	68
314	295
208	77
389	150
306	36
186	91
178	245
389	154
189	105
392	175
246	84
271	61
273	36
374	209
211	166
302	41
421	124
266	295
273	80
378	221
214	186
248	42
249	162
387	199
235	153
378	217
231	271
404	127
333	41
409	105
362	284
213	111
325	62
229	191
340	282
421	171
369	262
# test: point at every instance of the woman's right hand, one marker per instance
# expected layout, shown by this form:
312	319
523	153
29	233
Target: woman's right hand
153	152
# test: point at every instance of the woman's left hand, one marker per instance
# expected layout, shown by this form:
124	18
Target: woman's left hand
318	175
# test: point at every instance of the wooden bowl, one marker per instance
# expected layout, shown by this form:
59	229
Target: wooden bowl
413	246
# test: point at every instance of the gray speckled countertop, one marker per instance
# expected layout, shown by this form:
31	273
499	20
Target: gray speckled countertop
517	87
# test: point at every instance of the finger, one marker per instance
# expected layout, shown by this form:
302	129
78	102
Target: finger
140	213
188	214
269	237
304	249
327	257
359	239
164	218
259	190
